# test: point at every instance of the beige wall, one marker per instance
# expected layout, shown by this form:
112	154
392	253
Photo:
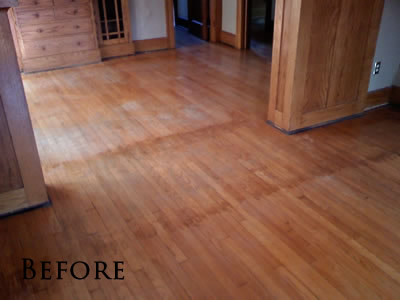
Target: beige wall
388	47
148	19
229	11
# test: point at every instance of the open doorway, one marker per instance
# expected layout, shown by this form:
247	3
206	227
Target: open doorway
192	22
260	27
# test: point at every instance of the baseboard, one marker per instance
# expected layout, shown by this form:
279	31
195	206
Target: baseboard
378	97
395	97
15	202
117	50
323	124
61	61
151	44
228	38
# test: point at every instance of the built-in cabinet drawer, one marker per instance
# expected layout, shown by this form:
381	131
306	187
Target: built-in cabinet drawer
71	12
69	2
47	15
58	45
36	16
50	32
26	4
60	28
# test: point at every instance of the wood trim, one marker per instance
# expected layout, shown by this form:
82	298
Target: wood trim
127	20
13	201
331	114
395	96
18	118
8	3
275	65
151	44
246	24
61	61
169	10
117	50
14	31
378	97
215	20
228	38
240	24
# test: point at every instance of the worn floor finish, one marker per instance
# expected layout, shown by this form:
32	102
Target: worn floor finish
164	161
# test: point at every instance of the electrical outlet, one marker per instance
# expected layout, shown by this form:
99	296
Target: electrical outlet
377	68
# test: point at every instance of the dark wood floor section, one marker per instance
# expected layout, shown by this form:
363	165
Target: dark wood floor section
164	161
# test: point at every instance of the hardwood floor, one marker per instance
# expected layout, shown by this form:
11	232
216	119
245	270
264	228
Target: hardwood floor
164	161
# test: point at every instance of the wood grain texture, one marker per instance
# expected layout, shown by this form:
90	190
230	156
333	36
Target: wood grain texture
48	31
350	47
321	53
240	24
169	11
18	118
10	177
117	50
378	97
228	38
61	61
215	20
56	29
59	45
395	97
13	201
151	44
176	173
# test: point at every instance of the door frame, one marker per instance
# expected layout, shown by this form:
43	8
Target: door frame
215	13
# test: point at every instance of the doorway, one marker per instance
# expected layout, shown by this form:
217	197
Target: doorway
260	27
192	22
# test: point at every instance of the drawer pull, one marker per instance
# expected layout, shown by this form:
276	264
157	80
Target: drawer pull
75	11
40	30
36	15
43	48
35	2
78	43
77	26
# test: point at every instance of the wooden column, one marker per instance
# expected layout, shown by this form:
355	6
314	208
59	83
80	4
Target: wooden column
21	181
322	59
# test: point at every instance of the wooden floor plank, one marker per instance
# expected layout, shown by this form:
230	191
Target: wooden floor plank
164	160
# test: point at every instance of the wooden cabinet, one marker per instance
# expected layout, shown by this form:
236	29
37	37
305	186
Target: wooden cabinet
55	33
21	179
322	59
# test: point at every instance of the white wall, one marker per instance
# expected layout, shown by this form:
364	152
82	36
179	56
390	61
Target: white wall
148	19
388	47
229	11
183	9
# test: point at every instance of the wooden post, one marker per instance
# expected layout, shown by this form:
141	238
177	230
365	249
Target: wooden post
321	62
18	132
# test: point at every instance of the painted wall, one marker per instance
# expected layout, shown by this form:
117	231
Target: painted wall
183	9
229	11
148	19
388	47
